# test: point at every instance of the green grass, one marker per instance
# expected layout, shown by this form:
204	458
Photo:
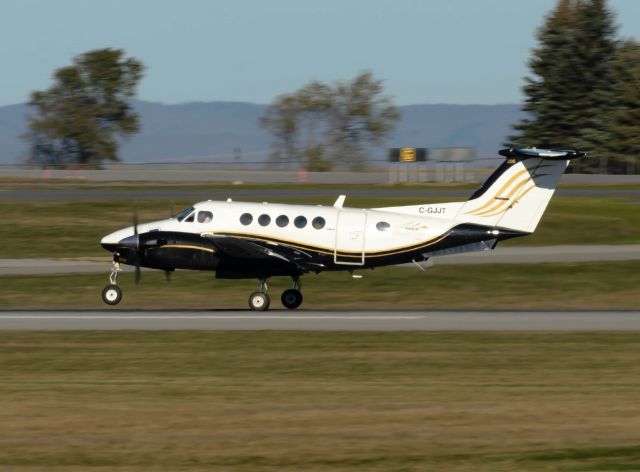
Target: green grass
74	228
606	285
587	220
312	401
64	184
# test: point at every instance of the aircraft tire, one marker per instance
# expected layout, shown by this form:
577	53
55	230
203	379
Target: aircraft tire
111	294
259	301
291	298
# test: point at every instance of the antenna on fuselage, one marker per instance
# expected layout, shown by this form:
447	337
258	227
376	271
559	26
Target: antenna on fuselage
340	201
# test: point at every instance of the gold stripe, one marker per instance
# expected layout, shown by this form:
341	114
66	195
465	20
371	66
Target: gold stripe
428	243
185	246
504	187
328	251
515	200
501	203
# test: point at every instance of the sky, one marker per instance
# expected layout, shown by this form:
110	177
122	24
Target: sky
425	51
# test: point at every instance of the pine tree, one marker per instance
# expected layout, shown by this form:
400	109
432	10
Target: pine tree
595	47
569	95
624	142
549	122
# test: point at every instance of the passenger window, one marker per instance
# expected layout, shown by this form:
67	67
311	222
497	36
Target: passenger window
318	222
383	226
300	222
282	221
205	217
246	219
264	220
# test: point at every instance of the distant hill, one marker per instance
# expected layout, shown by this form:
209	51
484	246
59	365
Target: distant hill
211	131
13	120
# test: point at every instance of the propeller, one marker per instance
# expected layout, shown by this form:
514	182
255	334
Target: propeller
137	243
172	209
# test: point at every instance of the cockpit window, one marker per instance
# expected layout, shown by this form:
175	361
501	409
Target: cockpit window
183	214
190	218
205	217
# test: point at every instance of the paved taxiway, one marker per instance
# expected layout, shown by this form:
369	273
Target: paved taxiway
322	320
237	193
207	173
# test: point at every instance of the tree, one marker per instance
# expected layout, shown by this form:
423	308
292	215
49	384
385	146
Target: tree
624	142
569	95
81	116
319	126
548	122
281	119
595	46
361	117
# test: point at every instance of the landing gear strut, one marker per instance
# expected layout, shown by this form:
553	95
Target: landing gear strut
112	294
292	298
259	301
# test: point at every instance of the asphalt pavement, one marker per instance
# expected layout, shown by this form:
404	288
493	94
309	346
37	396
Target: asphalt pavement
322	320
228	173
236	192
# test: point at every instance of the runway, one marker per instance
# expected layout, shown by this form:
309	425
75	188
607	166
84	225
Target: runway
321	320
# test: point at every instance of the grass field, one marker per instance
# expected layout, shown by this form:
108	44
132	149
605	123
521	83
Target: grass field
606	285
74	228
309	401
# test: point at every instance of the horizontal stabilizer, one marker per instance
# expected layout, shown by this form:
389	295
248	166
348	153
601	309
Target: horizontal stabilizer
524	153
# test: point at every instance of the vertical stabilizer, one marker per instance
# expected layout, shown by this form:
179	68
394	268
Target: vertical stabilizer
516	195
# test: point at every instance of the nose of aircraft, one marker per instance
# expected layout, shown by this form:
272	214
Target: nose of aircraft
110	241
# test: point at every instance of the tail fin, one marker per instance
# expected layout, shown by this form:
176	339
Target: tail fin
516	195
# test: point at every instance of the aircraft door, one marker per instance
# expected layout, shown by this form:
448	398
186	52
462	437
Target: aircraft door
350	238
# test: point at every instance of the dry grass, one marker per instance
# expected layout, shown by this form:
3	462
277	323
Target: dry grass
319	401
606	285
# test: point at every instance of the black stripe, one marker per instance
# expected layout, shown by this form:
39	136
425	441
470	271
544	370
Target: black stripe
505	166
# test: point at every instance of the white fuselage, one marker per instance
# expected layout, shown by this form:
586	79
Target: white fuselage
366	231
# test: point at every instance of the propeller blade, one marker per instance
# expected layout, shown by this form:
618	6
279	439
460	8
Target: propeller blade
137	271
135	220
172	209
137	242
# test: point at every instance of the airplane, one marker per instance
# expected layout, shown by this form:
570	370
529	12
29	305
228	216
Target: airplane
241	240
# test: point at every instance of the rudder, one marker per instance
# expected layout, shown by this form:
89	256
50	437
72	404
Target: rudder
516	195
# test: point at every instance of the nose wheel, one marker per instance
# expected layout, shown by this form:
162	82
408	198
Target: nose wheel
112	294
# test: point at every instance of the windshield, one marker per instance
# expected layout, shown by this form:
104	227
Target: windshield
183	214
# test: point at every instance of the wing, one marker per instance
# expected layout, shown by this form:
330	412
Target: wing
247	248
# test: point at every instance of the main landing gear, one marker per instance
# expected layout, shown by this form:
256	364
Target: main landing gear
112	294
259	301
291	298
